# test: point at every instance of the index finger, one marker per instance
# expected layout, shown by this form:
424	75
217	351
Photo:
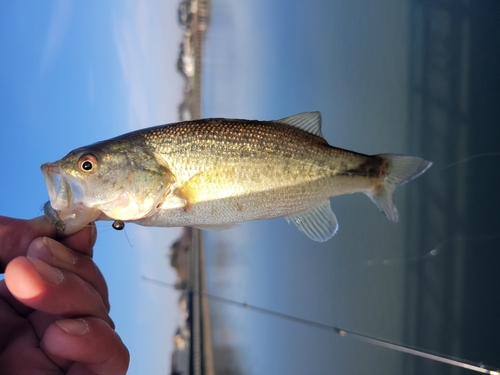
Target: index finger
17	234
83	240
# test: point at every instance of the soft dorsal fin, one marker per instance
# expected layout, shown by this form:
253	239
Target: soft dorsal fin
318	223
307	121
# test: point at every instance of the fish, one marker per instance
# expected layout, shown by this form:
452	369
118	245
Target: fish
216	173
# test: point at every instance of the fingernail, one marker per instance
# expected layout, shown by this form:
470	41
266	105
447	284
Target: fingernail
59	251
48	273
75	327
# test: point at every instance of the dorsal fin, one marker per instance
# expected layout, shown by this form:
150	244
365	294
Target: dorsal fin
307	121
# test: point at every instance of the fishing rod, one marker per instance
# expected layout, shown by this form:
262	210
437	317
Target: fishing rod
453	361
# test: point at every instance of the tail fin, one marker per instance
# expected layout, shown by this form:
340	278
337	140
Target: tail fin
402	169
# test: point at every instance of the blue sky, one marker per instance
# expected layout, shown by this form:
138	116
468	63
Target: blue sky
74	73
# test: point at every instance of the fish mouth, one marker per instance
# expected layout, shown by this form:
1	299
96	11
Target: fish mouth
63	190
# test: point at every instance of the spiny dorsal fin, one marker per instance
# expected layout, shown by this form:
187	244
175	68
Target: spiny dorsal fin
307	121
318	223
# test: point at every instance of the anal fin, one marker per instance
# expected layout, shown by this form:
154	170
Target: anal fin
318	223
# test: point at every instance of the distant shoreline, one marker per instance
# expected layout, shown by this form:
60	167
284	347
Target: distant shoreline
196	15
193	352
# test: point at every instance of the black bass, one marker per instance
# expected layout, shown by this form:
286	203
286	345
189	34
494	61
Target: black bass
215	173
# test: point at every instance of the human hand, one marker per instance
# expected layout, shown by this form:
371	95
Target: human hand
54	308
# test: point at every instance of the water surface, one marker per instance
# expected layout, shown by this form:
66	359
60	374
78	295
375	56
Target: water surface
415	78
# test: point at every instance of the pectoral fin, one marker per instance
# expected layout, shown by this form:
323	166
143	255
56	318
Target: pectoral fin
211	185
318	223
190	191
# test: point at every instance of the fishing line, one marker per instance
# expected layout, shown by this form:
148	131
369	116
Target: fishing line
453	361
394	261
119	225
469	158
432	253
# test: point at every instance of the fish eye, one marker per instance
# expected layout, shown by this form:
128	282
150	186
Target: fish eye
87	163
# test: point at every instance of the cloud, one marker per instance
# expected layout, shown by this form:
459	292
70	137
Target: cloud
59	22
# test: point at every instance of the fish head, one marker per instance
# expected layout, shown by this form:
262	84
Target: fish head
121	180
